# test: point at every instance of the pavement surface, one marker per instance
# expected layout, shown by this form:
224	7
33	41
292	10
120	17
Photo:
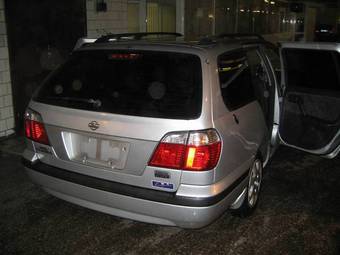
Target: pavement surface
298	213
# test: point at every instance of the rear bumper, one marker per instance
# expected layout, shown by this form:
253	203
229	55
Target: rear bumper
132	202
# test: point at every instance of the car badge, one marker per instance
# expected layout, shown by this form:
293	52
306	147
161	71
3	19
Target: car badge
94	125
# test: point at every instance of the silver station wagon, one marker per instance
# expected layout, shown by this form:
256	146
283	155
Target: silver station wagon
160	130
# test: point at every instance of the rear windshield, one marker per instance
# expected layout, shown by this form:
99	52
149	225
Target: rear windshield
143	83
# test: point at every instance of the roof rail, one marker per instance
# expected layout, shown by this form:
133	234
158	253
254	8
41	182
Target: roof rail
235	36
134	36
83	42
243	36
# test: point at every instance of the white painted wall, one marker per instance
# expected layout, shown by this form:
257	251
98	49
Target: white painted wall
6	102
180	13
114	20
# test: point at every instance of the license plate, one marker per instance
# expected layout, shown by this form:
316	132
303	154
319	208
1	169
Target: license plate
97	151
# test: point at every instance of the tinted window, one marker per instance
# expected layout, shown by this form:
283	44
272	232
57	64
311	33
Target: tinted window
259	80
274	60
255	64
315	69
235	80
151	84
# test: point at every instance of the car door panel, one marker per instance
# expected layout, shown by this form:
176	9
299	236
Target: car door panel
309	120
310	116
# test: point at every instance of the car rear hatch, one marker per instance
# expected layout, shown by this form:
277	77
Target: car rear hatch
105	111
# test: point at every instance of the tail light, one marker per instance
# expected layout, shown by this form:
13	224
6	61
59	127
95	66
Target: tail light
34	127
193	151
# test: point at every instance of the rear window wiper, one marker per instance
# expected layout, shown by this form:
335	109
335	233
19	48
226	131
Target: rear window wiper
95	102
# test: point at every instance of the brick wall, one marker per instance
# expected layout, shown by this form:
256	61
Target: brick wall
6	103
114	20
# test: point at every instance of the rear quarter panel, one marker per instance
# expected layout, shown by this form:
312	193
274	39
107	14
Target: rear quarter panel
242	141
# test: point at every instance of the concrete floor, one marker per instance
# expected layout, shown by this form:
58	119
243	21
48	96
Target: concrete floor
299	213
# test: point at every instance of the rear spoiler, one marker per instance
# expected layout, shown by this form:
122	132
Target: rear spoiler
83	42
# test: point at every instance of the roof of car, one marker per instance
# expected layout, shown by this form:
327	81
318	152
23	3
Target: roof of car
215	43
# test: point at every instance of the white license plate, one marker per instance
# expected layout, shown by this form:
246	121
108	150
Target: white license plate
97	151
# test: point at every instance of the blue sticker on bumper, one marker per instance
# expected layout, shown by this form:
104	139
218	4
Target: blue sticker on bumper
164	185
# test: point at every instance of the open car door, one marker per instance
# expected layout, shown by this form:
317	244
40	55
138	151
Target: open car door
310	109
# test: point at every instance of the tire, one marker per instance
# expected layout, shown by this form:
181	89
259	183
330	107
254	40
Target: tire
253	189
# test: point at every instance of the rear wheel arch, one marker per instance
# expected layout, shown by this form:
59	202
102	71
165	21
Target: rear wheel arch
247	202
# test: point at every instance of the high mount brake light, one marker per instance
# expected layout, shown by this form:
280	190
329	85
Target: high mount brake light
193	151
124	56
34	128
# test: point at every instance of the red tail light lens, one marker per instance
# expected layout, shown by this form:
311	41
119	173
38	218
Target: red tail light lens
34	129
201	158
169	155
28	129
194	151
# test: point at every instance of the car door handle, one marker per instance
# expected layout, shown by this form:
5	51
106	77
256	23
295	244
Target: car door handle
236	119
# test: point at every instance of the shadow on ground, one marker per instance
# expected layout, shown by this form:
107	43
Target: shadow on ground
299	213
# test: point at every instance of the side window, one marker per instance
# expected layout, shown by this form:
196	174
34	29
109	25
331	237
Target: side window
312	69
235	79
257	69
260	80
274	60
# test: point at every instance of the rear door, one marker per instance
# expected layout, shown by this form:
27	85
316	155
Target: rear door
106	110
310	107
